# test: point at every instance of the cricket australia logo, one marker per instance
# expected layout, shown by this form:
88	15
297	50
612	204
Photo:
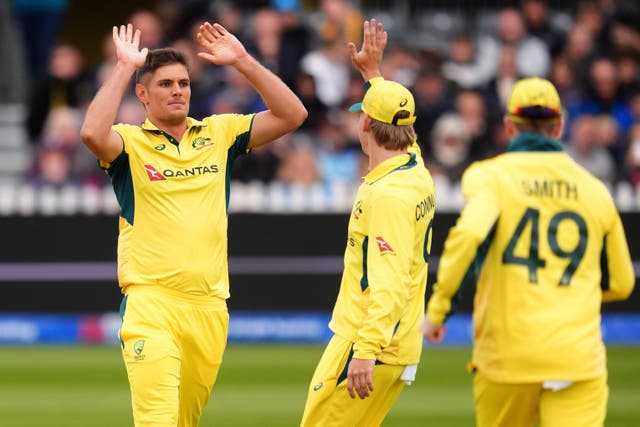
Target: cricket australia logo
200	142
138	346
357	209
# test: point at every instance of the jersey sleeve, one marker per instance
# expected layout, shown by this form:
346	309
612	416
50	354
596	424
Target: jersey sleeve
618	277
461	248
388	261
121	130
238	131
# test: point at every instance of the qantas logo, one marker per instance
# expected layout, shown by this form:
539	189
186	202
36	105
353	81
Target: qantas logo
383	246
154	175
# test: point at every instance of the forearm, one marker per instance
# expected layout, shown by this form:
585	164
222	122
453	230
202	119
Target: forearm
383	315
618	278
280	100
103	109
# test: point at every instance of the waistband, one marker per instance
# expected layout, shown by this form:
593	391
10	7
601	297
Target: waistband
177	296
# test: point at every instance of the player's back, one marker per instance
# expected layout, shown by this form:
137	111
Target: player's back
538	297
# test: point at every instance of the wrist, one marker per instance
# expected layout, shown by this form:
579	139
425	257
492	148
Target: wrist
369	75
127	67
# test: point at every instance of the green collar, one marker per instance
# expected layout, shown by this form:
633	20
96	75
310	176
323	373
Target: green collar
148	125
533	142
399	162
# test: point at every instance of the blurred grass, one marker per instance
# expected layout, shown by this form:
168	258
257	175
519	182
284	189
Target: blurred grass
258	385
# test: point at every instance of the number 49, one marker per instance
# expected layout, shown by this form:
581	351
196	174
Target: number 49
533	261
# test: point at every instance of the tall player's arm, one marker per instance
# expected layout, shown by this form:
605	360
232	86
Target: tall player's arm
96	131
618	276
474	225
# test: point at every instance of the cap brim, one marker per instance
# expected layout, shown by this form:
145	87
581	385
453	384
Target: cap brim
355	107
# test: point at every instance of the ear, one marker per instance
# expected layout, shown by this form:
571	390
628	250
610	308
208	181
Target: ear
141	93
558	128
366	122
509	127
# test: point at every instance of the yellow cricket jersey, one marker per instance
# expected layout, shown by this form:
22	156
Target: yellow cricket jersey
545	243
174	197
381	299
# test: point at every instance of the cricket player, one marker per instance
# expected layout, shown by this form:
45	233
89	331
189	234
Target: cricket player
171	178
376	320
543	241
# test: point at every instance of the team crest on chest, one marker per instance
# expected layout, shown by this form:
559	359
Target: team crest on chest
201	142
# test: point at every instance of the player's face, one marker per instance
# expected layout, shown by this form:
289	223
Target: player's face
167	93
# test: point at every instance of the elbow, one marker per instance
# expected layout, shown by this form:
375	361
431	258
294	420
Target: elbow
300	116
87	135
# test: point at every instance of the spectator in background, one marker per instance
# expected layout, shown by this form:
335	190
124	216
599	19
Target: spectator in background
266	37
449	144
632	160
463	66
432	100
579	51
64	84
338	158
152	35
400	65
536	18
628	66
262	165
299	166
563	77
498	90
235	95
306	90
589	151
60	158
329	67
294	42
472	108
604	97
340	21
531	54
131	111
39	23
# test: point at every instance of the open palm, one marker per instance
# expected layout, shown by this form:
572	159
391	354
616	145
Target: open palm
223	48
127	45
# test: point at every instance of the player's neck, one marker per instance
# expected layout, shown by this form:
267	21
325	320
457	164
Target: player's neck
379	154
175	129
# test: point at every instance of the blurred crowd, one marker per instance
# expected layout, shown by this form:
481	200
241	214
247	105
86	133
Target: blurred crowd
460	73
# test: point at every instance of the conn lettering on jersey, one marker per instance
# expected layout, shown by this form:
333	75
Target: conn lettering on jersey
425	206
556	189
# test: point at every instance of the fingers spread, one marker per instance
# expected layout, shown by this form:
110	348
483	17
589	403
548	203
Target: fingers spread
136	38
220	29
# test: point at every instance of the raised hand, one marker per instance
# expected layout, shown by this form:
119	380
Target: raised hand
368	59
127	46
223	48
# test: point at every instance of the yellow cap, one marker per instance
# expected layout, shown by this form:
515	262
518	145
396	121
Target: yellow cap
384	99
533	98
